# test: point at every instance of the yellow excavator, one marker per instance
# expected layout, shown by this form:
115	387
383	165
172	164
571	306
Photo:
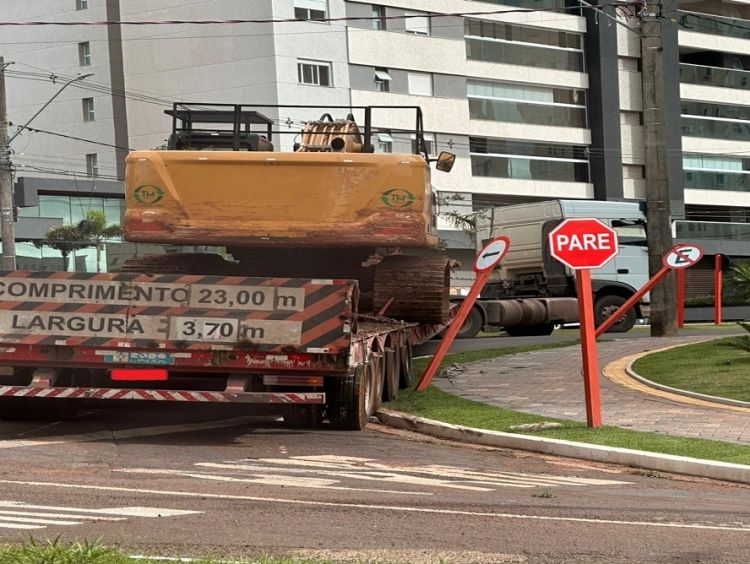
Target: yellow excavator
327	207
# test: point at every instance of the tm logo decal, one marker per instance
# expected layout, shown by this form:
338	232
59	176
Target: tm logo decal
148	194
397	198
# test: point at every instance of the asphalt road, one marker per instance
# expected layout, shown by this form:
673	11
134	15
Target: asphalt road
568	334
193	480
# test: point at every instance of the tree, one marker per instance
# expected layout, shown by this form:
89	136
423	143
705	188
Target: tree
91	232
96	231
65	239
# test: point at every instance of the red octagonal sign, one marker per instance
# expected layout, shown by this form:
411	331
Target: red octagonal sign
583	243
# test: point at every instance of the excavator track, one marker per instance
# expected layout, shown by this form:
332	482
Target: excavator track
180	263
418	285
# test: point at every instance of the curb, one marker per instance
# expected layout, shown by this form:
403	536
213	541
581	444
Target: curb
648	460
713	399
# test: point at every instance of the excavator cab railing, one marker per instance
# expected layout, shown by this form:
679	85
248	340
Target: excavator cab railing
244	127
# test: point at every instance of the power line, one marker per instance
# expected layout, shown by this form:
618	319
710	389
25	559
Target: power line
325	19
34	130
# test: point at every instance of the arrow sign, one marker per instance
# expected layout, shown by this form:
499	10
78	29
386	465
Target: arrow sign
682	256
491	254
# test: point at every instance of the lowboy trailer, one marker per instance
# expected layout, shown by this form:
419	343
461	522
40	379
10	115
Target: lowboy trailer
289	343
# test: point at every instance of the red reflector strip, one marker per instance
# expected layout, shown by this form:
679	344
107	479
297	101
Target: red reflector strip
141	374
270	380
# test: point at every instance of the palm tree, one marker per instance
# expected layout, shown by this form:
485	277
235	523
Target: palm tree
96	231
63	238
93	231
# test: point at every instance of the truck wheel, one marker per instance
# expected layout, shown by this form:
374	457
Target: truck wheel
345	400
304	417
406	378
530	330
472	325
390	375
606	306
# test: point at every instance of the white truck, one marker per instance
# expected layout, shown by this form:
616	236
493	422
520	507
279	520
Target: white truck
530	292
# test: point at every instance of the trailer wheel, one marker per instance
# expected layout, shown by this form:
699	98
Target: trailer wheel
606	306
472	325
406	377
390	375
346	399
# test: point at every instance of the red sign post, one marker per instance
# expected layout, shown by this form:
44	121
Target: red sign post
484	263
583	244
678	258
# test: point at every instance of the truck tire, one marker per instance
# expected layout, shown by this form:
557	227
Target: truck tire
472	325
390	375
406	374
606	305
530	330
346	405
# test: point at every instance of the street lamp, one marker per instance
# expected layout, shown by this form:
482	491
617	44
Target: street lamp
64	86
7	226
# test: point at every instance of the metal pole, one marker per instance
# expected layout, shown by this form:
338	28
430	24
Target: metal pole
663	307
7	227
588	349
717	289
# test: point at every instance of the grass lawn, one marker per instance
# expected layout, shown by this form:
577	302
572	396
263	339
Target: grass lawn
93	552
716	369
441	406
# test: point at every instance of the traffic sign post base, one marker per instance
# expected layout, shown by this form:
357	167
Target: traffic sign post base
588	349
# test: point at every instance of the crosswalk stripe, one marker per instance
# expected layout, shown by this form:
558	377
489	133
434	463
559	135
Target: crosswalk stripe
20	526
148	512
60	515
38	521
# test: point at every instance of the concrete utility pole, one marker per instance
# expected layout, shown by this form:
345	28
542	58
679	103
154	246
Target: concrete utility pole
663	304
7	227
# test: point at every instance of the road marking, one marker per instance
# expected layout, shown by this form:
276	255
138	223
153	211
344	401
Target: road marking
17	516
283	481
368	469
375	507
127	433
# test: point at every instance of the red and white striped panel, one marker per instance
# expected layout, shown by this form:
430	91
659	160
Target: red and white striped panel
161	395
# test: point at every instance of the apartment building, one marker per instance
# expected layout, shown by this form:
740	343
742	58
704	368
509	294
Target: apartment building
536	105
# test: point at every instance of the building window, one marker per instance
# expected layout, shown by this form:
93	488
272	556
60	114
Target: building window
420	83
523	160
88	109
417	23
84	54
314	72
310	9
429	143
382	80
92	165
385	143
82	4
520	103
522	45
378	17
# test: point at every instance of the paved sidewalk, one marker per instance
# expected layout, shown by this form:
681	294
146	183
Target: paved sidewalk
550	383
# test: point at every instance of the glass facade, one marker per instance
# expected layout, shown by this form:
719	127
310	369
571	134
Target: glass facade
714	25
517	103
718	121
714	76
522	45
72	209
500	158
711	172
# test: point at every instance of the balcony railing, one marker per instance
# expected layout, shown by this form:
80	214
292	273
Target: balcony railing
712	180
714	76
714	25
711	230
715	129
